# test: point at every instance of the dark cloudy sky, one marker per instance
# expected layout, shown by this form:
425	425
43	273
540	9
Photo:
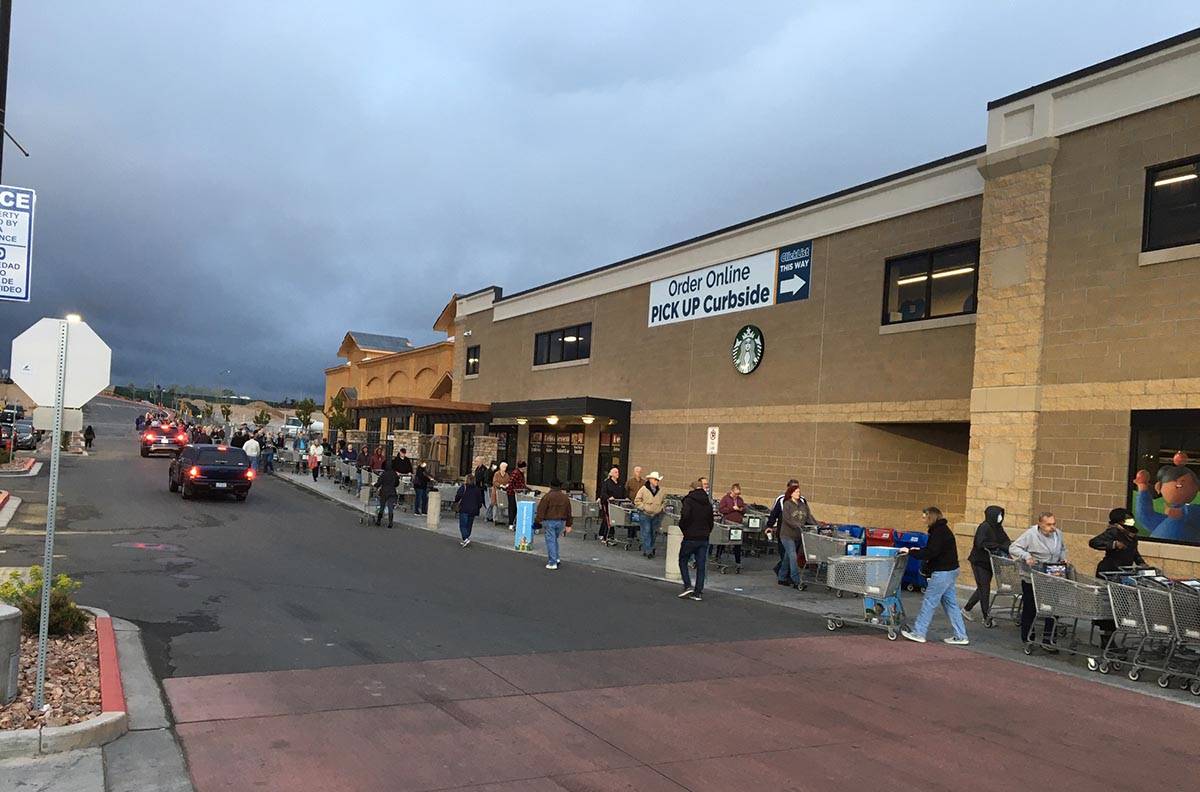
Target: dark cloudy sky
232	185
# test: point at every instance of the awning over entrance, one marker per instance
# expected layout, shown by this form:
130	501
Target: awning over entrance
398	410
570	409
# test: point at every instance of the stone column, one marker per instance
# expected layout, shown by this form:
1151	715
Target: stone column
1006	392
403	438
486	446
591	457
356	438
522	443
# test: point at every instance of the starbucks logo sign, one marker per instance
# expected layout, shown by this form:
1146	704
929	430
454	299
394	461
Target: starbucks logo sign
747	349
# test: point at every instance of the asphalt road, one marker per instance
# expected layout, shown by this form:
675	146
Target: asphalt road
287	580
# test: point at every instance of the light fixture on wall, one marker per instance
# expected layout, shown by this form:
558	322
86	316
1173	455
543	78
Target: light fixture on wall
570	339
522	421
552	419
588	419
937	275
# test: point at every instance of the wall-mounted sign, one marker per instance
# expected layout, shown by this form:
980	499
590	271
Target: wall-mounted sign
742	284
16	242
713	439
747	350
795	272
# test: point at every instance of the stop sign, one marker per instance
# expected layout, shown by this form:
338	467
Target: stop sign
35	363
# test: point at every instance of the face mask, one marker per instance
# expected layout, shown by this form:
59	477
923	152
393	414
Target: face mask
1000	519
1130	523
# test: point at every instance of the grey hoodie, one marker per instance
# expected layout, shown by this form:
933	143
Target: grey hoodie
1043	549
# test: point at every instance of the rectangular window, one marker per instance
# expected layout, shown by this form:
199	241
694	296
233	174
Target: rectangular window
563	345
556	453
931	284
1172	212
472	360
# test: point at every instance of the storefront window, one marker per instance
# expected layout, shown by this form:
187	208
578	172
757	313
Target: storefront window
556	454
1172	213
472	360
1166	445
931	284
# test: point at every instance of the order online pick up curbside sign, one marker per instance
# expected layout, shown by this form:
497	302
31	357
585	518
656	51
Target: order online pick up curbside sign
767	278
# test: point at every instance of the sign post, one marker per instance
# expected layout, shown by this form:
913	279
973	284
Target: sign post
61	340
714	438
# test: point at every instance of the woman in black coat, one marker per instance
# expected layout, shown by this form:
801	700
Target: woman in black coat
1119	541
990	539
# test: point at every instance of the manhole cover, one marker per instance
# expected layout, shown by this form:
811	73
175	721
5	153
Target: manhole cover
157	546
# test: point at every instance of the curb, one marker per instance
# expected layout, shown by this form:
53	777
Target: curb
8	511
27	464
4	496
111	723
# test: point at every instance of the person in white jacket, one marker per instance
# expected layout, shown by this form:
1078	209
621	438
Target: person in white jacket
316	453
1041	544
252	448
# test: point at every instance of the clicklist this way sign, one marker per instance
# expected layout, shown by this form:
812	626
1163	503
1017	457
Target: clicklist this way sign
742	284
16	242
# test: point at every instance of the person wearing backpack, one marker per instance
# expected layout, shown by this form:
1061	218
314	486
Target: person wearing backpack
990	539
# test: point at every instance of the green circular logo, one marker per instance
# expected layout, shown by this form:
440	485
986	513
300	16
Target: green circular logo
747	350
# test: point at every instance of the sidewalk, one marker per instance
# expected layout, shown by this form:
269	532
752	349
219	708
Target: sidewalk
756	582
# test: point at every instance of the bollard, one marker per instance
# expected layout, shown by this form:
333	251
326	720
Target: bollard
10	652
435	509
671	559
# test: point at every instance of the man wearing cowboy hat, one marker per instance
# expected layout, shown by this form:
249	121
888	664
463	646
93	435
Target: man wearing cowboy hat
649	503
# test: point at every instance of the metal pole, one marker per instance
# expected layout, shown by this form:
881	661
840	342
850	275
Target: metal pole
712	482
5	30
51	513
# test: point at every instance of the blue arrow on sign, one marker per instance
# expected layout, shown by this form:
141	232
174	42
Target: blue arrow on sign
795	272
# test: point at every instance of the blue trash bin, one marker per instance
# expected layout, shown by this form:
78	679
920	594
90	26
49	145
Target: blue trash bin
523	534
913	579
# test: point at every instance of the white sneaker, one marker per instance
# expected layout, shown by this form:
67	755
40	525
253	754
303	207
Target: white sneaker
551	566
686	593
912	636
464	543
966	614
957	641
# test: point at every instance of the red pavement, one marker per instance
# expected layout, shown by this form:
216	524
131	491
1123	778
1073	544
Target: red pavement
817	713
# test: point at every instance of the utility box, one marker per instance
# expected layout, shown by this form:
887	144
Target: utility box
10	652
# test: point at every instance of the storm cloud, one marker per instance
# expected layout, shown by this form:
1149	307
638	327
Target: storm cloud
233	185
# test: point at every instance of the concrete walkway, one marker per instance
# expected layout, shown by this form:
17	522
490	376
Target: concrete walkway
756	582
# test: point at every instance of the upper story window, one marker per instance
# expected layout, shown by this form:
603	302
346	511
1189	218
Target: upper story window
931	284
472	360
1172	213
560	346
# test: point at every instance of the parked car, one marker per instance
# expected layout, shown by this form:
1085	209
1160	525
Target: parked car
211	469
165	438
293	427
27	436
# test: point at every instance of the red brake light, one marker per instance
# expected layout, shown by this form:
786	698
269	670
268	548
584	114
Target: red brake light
182	438
149	435
193	472
250	473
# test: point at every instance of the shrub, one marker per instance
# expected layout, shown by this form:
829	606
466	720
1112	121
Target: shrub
25	593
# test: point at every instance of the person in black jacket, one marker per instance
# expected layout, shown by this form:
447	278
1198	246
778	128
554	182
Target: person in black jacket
386	486
696	524
990	539
940	559
773	520
1119	541
421	482
610	489
483	480
469	500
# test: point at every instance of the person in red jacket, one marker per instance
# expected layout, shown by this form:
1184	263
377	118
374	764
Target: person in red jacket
733	510
516	483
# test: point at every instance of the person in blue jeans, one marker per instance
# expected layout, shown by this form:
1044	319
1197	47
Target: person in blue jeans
794	515
940	559
696	524
650	502
421	482
554	515
468	500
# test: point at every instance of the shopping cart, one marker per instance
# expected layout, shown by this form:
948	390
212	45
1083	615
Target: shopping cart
1062	601
623	525
369	498
726	536
1185	611
818	549
877	579
1006	572
1128	628
1157	646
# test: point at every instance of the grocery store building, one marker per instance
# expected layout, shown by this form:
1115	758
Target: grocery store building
1012	324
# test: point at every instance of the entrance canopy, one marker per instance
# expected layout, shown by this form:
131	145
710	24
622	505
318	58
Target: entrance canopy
398	410
576	409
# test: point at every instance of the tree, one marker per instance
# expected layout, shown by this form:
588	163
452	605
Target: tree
339	417
207	412
226	411
262	418
305	410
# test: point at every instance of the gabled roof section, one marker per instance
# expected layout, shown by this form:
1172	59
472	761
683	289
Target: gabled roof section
445	320
374	342
443	388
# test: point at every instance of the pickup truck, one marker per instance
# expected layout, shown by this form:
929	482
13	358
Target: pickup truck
293	427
